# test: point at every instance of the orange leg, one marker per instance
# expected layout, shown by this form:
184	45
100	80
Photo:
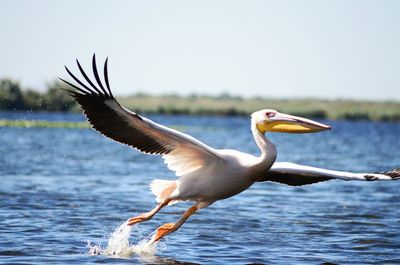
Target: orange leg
147	216
171	227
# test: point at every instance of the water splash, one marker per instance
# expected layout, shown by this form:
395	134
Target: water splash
118	245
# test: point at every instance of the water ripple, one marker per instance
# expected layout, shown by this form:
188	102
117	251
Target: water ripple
64	187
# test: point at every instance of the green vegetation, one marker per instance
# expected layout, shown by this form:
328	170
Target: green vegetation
73	125
42	124
14	98
233	106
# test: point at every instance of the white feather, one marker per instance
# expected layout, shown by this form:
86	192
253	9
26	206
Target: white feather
300	170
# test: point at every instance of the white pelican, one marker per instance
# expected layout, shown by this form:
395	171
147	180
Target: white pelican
206	175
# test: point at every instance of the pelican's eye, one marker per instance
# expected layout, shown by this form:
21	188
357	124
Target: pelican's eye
270	114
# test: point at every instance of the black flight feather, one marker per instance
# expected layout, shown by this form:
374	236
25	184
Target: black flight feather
106	77
96	74
293	179
108	117
86	77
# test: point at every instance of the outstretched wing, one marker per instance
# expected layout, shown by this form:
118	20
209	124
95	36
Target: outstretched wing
298	175
181	152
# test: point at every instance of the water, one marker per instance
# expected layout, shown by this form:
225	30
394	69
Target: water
66	193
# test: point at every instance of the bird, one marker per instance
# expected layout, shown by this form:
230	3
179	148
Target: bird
205	174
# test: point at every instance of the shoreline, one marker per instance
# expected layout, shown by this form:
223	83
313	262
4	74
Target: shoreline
41	123
55	99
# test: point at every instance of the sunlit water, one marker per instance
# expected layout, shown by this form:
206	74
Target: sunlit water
118	245
65	195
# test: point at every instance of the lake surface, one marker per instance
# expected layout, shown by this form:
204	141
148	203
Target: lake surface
63	188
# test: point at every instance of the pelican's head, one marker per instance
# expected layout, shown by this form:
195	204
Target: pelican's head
272	121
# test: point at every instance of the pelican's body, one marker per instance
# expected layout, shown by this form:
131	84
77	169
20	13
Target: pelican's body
205	174
228	177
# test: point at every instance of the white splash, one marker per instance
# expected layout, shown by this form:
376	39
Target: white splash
118	245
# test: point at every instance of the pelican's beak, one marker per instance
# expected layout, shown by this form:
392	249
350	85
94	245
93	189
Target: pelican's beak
293	124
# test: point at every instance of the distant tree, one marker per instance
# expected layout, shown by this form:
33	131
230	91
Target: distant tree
141	95
193	96
227	96
223	96
57	99
11	95
32	99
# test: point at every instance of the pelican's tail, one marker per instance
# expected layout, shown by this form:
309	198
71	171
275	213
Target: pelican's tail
162	189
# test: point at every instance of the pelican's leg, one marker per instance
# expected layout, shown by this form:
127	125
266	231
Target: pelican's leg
171	227
147	216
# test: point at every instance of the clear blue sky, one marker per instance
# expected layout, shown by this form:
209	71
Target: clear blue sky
324	49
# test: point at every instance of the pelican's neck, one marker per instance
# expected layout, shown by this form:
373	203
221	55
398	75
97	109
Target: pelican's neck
268	149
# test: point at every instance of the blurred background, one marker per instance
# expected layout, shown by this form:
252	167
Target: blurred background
200	67
206	57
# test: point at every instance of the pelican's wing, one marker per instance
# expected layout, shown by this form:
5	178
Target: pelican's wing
297	175
181	152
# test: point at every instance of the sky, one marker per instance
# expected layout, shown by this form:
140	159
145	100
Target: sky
281	49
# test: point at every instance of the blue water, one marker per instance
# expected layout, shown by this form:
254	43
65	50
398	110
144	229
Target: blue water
61	188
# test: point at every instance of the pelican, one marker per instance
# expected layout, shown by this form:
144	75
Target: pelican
205	175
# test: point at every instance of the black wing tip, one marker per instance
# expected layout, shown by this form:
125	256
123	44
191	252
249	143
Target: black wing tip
85	90
106	78
81	91
78	63
394	174
66	68
72	92
65	89
96	75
